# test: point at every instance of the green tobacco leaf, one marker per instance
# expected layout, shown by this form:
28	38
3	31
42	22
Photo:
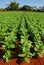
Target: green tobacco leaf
1	42
11	45
7	56
27	59
7	60
4	47
22	55
40	54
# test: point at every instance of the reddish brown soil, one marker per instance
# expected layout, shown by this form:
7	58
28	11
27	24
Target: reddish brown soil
17	43
36	61
17	61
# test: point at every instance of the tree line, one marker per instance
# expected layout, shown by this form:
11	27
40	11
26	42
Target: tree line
15	6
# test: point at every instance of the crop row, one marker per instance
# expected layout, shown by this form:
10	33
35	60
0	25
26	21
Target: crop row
21	34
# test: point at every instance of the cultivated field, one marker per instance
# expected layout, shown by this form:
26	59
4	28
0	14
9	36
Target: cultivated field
21	33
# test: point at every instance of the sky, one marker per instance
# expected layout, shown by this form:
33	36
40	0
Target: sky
38	3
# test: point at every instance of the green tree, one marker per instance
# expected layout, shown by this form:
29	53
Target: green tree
27	8
13	6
